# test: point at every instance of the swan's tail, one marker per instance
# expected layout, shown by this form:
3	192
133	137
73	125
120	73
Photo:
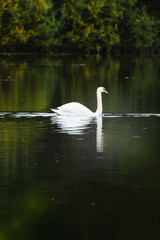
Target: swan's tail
55	110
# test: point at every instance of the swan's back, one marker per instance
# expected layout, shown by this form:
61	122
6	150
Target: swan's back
73	108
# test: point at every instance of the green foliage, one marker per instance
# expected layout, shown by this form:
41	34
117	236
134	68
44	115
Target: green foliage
142	28
138	30
79	25
94	24
20	21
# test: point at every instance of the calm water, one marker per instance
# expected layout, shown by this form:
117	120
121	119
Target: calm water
79	178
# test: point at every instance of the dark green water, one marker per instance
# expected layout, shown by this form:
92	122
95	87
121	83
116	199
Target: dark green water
79	178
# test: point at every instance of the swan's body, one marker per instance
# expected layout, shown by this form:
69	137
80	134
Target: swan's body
74	108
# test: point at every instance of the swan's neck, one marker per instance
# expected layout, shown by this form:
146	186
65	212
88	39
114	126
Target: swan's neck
99	104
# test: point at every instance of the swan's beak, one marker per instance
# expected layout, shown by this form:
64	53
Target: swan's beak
105	91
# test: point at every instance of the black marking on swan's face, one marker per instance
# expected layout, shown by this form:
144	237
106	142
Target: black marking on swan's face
104	90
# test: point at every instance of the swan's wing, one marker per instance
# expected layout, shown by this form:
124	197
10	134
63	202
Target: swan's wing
73	108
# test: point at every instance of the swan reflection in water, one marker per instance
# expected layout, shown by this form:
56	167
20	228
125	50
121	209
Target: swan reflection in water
77	125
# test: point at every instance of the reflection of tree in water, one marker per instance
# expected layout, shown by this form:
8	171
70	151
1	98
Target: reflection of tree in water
36	83
26	83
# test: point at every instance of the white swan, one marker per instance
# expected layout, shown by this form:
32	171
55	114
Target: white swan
75	108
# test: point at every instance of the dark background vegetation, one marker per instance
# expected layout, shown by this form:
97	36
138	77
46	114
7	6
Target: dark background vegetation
72	26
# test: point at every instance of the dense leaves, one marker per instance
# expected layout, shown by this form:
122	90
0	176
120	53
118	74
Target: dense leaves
79	25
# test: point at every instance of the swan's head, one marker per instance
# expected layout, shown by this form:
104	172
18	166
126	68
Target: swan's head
101	89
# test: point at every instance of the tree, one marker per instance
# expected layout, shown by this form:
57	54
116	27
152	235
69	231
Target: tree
20	22
137	28
79	25
93	25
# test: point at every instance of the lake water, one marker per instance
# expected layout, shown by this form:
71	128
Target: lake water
79	178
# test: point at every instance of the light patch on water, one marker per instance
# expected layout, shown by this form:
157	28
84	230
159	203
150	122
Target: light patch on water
25	114
143	114
110	115
136	136
135	115
7	79
105	115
